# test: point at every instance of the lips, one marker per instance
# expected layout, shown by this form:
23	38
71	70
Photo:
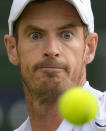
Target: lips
50	65
51	68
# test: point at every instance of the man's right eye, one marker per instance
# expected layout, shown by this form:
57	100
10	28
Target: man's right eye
35	36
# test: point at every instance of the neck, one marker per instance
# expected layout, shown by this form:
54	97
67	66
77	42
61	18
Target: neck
43	117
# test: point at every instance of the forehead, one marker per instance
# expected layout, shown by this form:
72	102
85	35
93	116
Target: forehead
49	15
49	8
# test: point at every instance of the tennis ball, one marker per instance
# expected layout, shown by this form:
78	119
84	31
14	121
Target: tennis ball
78	106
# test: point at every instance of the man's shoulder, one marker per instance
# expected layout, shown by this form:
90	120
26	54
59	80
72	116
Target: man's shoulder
100	121
98	94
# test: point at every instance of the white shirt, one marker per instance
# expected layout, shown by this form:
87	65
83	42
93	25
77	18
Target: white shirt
99	124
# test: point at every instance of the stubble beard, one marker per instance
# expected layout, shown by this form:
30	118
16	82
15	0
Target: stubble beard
42	95
47	91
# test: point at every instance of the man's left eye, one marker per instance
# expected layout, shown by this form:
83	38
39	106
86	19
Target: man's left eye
67	35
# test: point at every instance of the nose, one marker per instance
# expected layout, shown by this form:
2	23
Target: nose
52	48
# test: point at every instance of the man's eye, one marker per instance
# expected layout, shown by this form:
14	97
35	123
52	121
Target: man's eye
66	35
35	35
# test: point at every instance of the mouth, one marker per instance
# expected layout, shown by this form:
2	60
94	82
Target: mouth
51	68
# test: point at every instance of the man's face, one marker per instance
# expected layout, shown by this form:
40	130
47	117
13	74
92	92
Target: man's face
51	49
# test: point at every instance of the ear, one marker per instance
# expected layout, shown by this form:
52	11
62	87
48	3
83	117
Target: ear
11	48
90	49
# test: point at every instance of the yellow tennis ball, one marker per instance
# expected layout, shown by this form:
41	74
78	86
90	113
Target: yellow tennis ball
78	106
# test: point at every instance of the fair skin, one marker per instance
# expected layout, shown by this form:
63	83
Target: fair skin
52	54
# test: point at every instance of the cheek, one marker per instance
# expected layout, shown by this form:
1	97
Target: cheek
29	54
74	56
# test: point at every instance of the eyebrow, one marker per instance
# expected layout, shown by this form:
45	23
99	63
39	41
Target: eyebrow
32	27
37	28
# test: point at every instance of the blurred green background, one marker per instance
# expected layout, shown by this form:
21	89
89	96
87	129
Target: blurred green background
13	109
